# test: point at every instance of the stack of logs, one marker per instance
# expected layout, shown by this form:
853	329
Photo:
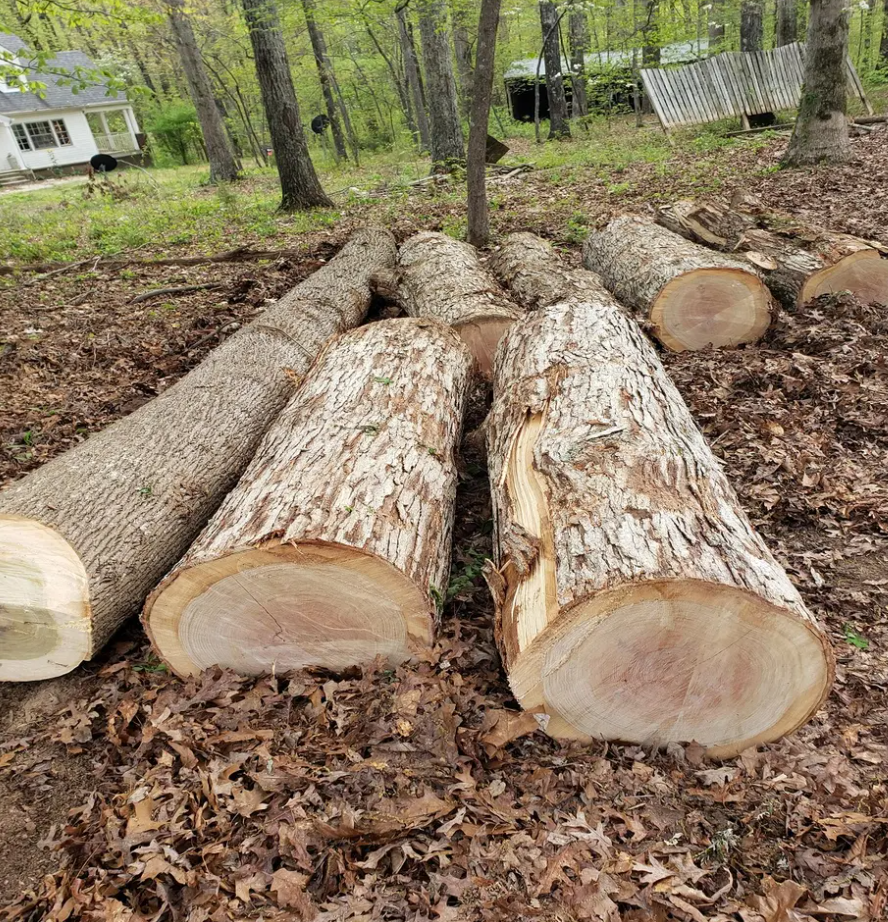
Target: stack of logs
290	502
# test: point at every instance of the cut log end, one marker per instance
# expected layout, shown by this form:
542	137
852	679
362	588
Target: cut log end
679	661
717	307
482	336
864	274
285	607
45	628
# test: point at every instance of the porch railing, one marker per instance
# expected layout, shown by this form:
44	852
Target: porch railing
117	142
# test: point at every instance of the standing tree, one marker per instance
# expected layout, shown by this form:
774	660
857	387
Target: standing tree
462	45
300	186
716	26
787	29
821	129
319	47
479	225
446	140
559	126
414	81
578	41
751	25
223	164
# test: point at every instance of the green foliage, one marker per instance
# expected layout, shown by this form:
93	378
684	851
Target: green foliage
855	639
175	131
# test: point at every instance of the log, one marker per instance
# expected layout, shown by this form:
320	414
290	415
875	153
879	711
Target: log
84	538
334	547
798	262
688	296
635	602
443	278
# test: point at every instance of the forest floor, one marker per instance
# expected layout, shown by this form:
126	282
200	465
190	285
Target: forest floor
419	794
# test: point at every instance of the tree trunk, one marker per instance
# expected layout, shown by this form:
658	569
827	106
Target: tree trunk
334	547
223	164
442	278
300	186
578	40
462	45
634	600
411	68
446	138
751	25
821	129
559	126
319	48
787	30
101	524
798	262
476	179
650	31
883	42
716	26
690	297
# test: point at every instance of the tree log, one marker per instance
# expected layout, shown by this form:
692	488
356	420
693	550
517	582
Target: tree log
442	278
797	261
334	547
634	600
84	538
689	296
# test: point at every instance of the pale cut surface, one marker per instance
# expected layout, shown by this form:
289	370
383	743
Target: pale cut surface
285	607
482	336
717	307
864	274
44	602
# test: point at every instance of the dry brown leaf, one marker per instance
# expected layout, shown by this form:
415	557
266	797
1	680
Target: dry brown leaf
289	890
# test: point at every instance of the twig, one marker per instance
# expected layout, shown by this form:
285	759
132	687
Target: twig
180	290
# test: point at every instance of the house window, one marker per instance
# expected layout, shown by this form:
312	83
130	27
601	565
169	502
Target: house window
21	137
61	132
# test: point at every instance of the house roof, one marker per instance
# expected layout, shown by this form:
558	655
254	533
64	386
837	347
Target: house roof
55	96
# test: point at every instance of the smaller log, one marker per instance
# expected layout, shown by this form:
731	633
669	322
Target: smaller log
689	296
443	278
334	547
798	262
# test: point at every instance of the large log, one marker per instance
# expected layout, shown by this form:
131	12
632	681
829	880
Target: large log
797	261
635	601
334	547
442	278
689	296
85	537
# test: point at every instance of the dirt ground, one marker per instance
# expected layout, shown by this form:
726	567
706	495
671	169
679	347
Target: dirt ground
417	794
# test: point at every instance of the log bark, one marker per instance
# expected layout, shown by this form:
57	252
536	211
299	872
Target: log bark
634	600
442	278
689	296
86	537
797	261
334	547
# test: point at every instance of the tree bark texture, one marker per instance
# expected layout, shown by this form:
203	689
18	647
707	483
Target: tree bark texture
462	46
559	126
787	28
446	135
578	42
300	186
127	502
334	547
797	262
821	128
322	60
751	25
223	164
635	601
443	278
689	296
476	176
411	68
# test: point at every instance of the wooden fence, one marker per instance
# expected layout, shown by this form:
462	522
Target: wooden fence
732	84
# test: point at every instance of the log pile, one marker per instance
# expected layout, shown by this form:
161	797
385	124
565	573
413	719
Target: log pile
87	536
797	261
688	296
332	547
635	601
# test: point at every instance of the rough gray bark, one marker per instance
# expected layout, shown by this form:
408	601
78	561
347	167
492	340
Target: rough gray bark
478	212
578	40
628	580
787	28
223	163
322	60
130	499
300	187
751	25
821	129
559	126
462	46
411	68
334	547
446	135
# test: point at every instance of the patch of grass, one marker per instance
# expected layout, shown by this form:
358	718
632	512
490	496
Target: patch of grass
855	639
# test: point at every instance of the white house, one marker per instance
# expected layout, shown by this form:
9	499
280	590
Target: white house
57	128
